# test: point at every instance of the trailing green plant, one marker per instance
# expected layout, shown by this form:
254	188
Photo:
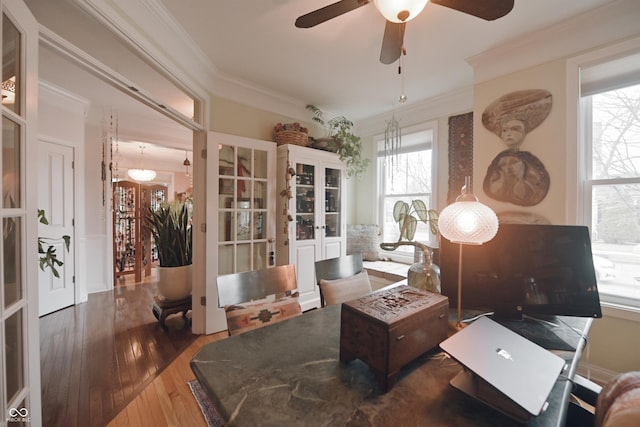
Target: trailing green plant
171	230
403	214
49	257
348	145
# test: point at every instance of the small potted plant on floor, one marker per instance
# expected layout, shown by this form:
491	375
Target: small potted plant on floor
171	230
343	141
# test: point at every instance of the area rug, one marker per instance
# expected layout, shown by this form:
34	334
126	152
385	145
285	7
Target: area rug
209	412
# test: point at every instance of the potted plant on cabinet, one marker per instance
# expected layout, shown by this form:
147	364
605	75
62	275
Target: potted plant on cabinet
343	141
171	230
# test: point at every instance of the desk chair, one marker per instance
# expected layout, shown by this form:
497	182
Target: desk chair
617	404
341	279
258	298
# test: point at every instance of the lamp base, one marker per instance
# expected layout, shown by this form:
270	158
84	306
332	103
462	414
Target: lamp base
456	326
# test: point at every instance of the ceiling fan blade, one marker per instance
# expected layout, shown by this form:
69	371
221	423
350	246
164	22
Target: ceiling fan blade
392	42
484	9
326	13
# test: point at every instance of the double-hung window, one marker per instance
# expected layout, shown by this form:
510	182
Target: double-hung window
406	175
610	109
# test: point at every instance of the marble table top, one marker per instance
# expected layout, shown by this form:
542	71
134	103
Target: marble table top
289	374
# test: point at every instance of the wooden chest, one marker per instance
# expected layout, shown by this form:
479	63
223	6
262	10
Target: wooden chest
389	329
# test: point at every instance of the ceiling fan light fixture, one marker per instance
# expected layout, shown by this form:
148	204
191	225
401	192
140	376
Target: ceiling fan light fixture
400	11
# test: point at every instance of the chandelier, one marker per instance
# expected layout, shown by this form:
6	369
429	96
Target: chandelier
141	174
186	164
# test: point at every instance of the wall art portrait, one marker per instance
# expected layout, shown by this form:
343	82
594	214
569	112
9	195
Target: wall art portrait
516	176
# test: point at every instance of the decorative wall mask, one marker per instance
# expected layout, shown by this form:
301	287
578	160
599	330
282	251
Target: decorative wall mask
516	176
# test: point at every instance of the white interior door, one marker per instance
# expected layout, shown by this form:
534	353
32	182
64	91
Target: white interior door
55	197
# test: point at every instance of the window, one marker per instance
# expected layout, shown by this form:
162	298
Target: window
611	115
406	176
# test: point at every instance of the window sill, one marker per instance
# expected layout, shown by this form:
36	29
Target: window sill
619	311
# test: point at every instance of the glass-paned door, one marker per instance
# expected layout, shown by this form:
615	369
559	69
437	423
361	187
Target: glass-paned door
306	182
243	203
19	356
332	201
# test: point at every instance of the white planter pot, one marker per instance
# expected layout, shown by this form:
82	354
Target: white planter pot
174	283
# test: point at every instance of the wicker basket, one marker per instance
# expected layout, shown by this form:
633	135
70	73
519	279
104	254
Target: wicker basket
293	137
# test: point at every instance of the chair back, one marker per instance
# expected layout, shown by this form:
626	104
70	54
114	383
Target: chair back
237	288
254	299
337	268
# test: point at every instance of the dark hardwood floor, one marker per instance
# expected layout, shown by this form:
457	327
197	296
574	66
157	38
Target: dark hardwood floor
97	356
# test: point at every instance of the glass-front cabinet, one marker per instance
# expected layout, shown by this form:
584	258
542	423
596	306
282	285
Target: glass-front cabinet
310	213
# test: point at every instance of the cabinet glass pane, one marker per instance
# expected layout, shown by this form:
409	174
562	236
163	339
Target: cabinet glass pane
12	247
10	164
260	164
259	255
332	200
243	262
11	84
305	201
13	355
225	259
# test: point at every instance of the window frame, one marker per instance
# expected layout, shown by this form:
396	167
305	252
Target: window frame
380	171
579	137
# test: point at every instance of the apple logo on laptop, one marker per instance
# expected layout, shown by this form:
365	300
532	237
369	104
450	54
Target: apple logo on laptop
504	353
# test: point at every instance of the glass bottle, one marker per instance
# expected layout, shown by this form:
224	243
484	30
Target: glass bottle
424	274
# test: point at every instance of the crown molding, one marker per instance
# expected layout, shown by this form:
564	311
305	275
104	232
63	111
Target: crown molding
600	26
148	28
68	98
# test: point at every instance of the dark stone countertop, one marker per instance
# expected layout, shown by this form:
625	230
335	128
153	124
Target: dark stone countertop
289	374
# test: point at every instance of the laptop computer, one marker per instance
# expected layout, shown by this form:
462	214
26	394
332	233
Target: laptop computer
503	369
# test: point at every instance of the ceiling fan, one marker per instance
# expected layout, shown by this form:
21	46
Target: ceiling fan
397	13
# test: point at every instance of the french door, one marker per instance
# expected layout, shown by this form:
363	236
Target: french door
241	203
19	340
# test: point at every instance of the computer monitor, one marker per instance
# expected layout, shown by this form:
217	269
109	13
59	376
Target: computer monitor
525	269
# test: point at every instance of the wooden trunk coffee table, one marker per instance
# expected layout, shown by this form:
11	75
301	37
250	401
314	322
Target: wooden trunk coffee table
389	329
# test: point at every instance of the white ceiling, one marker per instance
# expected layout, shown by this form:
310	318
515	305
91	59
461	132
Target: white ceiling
334	65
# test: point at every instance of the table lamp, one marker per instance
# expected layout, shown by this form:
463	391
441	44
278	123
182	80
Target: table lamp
467	222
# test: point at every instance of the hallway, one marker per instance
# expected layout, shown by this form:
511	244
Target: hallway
96	357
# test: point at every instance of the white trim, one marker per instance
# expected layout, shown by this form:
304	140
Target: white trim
144	26
112	77
48	87
619	311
